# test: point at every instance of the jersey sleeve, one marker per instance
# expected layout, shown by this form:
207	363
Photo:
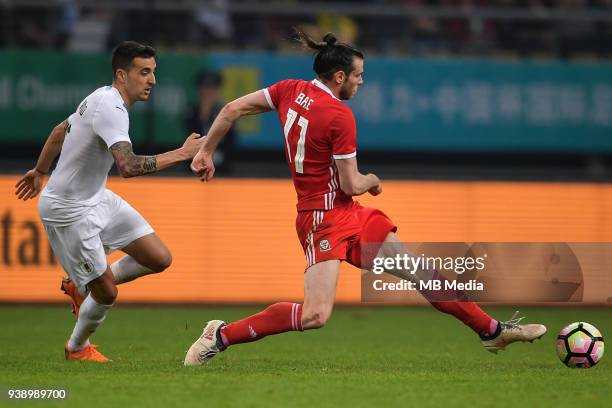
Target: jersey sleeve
344	136
275	93
111	123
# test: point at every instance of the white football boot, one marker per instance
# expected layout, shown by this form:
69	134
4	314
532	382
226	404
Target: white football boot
207	346
512	331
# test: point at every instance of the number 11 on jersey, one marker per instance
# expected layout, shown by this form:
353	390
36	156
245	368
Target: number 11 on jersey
301	144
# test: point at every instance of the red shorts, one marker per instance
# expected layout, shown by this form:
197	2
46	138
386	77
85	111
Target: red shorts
343	233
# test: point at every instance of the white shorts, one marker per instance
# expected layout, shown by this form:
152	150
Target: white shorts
81	248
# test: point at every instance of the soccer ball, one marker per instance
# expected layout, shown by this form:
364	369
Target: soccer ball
580	345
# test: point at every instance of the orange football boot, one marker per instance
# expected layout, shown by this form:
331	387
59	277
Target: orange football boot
89	353
70	289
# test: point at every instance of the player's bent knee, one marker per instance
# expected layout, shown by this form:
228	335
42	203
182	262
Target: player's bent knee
162	262
103	289
105	295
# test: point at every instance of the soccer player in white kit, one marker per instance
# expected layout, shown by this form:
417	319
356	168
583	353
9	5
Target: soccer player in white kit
84	221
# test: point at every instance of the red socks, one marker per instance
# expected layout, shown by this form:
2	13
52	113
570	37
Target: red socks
454	302
275	319
470	314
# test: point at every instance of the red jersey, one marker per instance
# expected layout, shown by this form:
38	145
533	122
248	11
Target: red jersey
318	128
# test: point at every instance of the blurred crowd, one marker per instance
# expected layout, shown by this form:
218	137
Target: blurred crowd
572	29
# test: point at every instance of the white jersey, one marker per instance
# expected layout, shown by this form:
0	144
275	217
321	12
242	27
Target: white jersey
79	179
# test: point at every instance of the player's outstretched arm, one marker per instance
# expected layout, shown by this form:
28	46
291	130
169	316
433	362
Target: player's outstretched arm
132	165
352	182
251	104
31	183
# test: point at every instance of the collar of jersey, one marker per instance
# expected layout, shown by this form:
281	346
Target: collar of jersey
323	87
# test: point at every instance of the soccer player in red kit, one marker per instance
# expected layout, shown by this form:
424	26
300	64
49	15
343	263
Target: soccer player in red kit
320	147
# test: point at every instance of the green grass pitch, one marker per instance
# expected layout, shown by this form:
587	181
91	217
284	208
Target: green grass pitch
381	356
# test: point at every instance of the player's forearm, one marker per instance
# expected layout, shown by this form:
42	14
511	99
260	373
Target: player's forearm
132	165
220	127
168	159
251	104
51	149
140	165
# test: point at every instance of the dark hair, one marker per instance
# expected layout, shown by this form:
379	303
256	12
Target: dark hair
330	55
124	54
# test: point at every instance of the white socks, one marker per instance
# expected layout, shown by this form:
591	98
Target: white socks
127	269
91	315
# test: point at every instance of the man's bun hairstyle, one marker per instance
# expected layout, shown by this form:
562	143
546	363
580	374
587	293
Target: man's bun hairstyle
330	56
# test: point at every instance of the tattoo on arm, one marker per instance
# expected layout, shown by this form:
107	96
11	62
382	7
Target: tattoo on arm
150	163
130	164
